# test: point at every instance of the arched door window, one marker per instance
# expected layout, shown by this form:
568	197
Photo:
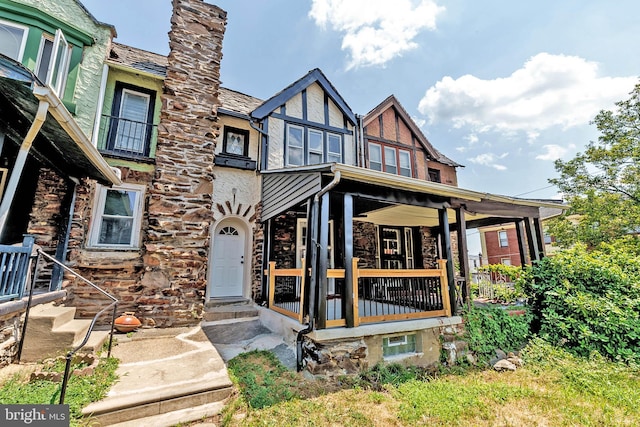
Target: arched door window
228	231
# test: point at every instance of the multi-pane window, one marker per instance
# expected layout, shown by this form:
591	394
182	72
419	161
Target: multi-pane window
312	147
503	239
117	216
315	146
12	40
390	162
236	141
295	146
334	152
390	159
375	157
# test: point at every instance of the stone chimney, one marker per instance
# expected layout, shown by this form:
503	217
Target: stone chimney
180	213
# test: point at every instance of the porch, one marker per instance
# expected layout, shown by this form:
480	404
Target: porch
347	246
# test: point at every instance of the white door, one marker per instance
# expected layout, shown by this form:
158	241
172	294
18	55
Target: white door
227	273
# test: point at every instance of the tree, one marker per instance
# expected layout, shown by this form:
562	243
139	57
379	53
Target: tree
602	185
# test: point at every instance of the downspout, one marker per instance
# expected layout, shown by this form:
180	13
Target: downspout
262	132
23	153
313	282
361	141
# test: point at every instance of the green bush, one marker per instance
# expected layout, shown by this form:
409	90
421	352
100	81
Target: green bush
491	328
589	301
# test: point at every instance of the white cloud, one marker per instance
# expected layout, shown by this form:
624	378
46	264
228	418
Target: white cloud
472	138
490	160
554	152
376	31
549	90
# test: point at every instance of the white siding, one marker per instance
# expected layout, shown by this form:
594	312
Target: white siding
294	106
315	103
276	144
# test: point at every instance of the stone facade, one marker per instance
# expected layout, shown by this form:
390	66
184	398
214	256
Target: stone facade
283	243
365	243
46	216
180	206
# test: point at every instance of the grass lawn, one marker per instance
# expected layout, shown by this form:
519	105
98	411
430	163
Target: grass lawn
552	389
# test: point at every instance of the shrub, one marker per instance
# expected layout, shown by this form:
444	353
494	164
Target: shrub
589	301
488	329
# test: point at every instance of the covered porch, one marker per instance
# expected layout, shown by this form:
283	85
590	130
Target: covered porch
347	246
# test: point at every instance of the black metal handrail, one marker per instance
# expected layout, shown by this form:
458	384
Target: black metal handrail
69	356
126	137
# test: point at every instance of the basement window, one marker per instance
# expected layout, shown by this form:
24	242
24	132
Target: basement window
398	345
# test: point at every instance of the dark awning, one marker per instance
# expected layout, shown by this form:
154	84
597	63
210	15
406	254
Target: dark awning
60	144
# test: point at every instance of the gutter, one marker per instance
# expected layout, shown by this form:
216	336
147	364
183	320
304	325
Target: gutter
314	261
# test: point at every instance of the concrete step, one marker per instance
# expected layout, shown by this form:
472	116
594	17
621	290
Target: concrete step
133	412
243	311
49	316
163	380
52	331
219	302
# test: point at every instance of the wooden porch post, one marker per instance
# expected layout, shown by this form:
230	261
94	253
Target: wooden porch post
347	223
323	261
540	235
463	254
446	251
521	248
533	242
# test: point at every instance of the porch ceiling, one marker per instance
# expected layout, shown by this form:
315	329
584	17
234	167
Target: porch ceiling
413	216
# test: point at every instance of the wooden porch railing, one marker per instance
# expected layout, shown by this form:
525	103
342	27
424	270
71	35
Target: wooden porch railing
379	294
286	290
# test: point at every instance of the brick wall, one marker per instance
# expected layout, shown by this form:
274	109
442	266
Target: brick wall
495	252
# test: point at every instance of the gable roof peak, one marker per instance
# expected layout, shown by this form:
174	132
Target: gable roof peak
313	76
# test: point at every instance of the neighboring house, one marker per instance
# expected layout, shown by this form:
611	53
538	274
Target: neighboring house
501	244
50	62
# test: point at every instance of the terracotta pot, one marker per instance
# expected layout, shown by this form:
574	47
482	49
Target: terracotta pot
127	322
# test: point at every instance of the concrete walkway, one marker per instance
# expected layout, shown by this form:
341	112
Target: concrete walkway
175	375
166	376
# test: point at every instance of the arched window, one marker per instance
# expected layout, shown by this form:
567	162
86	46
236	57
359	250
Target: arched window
228	231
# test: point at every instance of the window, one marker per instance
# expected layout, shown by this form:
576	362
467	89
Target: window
228	231
398	345
315	146
390	162
117	216
405	163
503	239
390	159
295	146
375	157
334	153
236	141
12	40
434	175
505	261
318	147
131	122
52	65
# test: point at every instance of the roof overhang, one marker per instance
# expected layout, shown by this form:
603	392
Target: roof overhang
417	210
61	144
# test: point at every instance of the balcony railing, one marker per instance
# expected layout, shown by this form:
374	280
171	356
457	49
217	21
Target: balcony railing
126	138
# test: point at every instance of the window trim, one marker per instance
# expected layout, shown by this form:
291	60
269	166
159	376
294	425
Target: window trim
288	146
25	35
116	108
378	147
332	153
310	151
238	131
98	213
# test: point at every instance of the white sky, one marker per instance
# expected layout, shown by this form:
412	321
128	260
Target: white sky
501	86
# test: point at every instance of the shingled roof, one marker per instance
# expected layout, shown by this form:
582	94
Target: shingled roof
138	59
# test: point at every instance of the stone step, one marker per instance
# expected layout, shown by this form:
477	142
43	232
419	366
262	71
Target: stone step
205	402
214	314
95	342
